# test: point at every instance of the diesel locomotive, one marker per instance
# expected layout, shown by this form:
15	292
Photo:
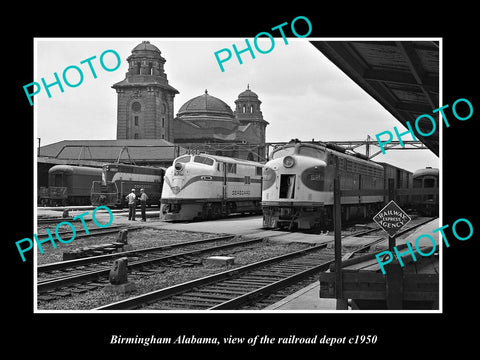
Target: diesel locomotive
199	187
119	179
298	185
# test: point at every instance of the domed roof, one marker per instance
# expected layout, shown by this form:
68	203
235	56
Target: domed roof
145	46
205	105
248	94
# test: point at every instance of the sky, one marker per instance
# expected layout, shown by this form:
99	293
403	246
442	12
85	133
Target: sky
303	94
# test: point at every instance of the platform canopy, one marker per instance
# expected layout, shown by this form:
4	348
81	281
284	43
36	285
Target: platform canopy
403	76
137	151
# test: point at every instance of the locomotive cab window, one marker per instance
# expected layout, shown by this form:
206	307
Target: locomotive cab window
311	152
283	152
183	159
203	160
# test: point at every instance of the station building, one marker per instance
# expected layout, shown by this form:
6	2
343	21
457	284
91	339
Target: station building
204	123
207	124
149	132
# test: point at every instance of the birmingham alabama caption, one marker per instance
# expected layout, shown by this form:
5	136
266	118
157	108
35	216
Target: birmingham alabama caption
238	182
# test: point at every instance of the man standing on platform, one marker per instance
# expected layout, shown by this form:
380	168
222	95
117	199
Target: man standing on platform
131	205
143	203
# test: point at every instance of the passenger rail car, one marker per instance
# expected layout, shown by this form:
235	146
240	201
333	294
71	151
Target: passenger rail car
207	186
298	186
425	186
69	185
119	179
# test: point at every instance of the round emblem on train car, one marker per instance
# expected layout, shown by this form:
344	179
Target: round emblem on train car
314	178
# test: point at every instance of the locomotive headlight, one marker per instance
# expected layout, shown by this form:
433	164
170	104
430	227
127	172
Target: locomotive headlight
178	166
288	161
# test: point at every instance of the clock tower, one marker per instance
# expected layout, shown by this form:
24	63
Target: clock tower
145	99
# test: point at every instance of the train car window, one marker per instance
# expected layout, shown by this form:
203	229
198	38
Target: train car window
58	180
203	160
258	171
232	168
429	183
247	180
283	152
417	183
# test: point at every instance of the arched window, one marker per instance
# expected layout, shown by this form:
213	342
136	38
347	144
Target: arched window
243	109
251	108
164	108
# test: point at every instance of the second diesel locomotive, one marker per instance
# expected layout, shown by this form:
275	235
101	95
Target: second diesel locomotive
209	186
298	185
119	179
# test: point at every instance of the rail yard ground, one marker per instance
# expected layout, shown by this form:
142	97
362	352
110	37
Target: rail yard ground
154	232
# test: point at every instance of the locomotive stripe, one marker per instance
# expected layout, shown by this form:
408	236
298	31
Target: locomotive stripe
214	179
203	200
293	203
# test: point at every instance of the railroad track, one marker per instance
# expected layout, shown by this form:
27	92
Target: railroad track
232	289
229	289
80	232
92	272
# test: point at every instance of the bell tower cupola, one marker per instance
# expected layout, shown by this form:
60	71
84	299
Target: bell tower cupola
145	98
247	111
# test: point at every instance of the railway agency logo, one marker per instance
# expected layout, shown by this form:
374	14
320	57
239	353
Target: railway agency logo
392	218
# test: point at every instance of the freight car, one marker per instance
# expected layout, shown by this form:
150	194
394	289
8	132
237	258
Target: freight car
399	182
207	186
425	186
298	185
119	179
69	185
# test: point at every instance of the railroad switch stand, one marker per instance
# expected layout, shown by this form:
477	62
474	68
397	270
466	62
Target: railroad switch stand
119	271
122	240
119	283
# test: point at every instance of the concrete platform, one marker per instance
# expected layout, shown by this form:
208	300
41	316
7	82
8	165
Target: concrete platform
305	299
